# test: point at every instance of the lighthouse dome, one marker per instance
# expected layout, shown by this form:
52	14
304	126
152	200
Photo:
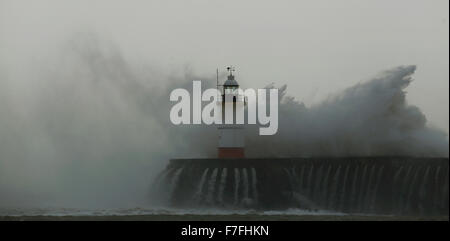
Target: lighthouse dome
230	81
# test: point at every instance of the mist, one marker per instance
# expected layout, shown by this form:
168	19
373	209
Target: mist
84	87
372	118
86	128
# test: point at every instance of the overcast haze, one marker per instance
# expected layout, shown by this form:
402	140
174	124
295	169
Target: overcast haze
316	47
84	86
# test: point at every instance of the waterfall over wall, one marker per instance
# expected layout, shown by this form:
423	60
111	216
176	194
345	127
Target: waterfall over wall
378	185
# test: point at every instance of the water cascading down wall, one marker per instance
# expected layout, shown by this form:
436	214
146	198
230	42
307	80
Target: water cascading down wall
372	185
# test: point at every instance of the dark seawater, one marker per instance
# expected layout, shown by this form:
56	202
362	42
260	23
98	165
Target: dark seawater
139	214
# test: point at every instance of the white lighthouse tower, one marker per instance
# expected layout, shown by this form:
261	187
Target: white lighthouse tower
231	136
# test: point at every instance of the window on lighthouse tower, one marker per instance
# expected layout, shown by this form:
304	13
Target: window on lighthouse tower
232	91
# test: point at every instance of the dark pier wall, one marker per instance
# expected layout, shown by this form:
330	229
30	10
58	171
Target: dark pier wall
381	185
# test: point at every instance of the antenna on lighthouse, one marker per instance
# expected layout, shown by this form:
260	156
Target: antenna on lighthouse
217	81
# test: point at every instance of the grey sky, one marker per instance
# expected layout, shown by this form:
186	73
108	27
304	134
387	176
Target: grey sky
316	47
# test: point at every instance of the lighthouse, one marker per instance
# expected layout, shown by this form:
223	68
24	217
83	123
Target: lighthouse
231	135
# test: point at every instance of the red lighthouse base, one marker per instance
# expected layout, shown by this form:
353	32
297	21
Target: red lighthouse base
231	152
